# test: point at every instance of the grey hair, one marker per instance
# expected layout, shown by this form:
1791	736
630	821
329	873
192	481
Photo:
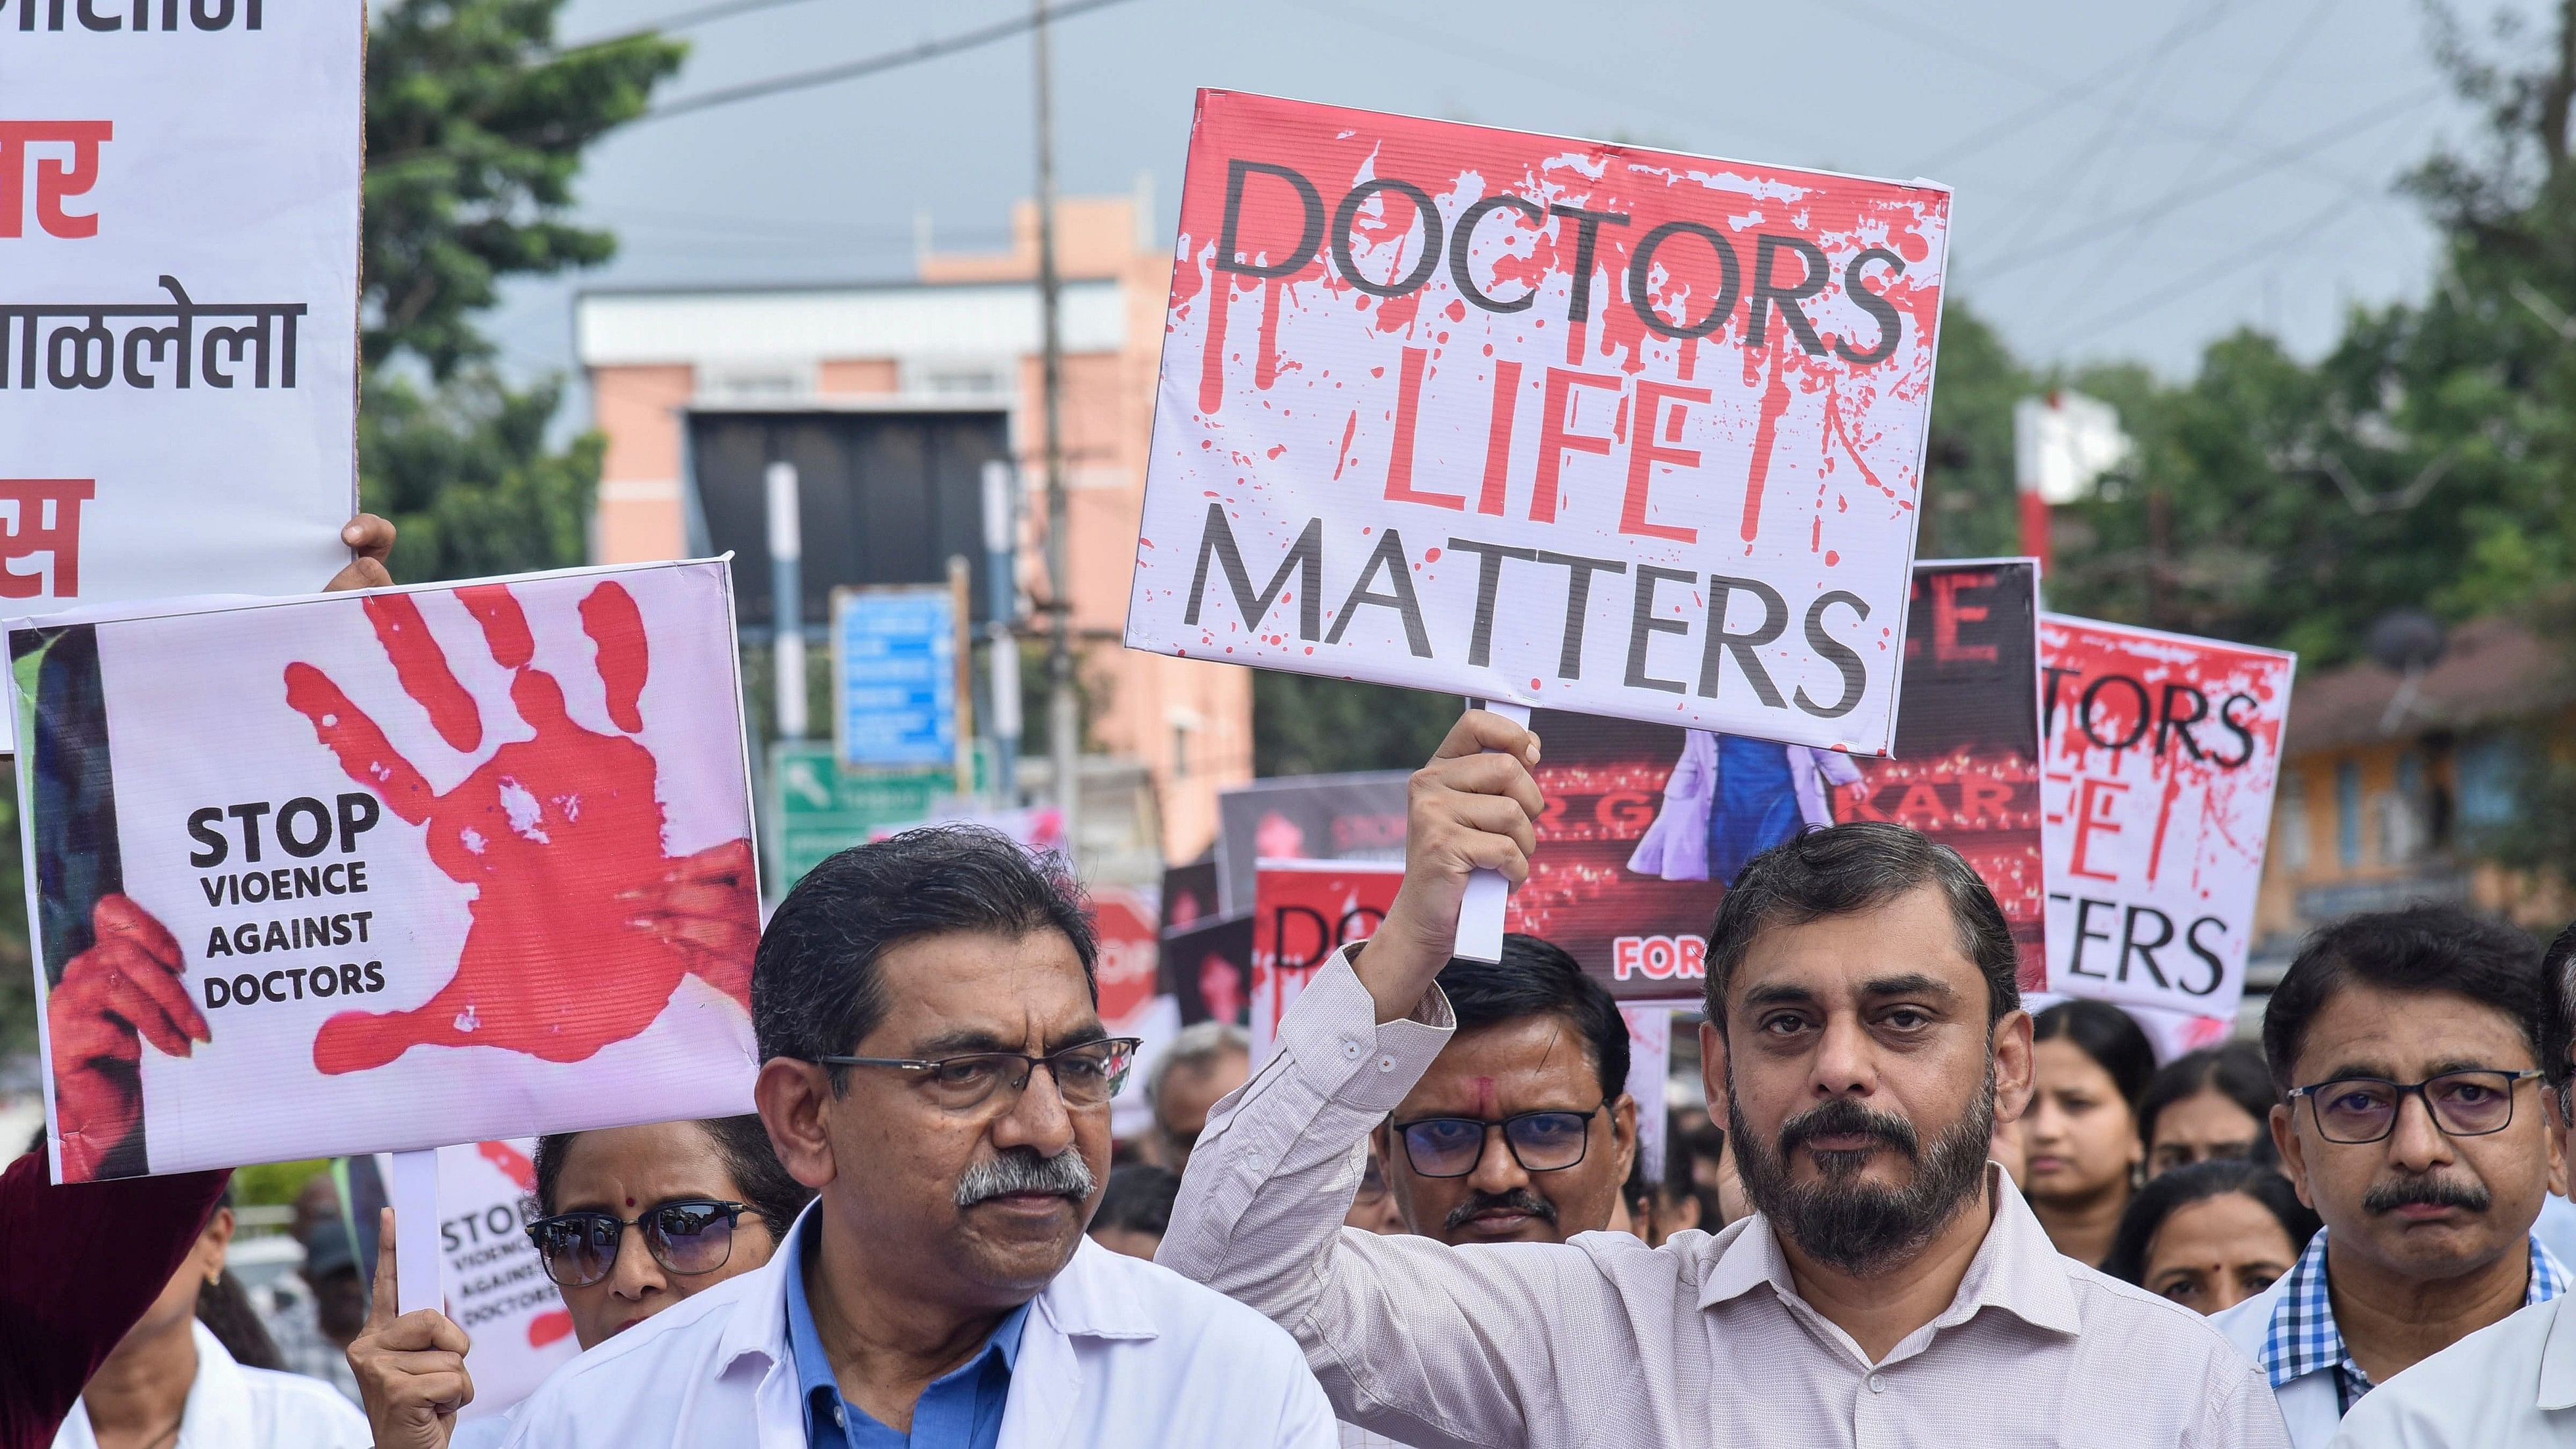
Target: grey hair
1197	1048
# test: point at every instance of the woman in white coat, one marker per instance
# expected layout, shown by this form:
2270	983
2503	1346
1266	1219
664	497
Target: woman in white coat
171	1383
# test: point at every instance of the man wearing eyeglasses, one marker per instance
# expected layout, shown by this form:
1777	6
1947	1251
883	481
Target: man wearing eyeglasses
1891	1290
935	1068
1521	1130
2407	1047
2512	1385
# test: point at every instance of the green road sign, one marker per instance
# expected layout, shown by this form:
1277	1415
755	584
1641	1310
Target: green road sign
816	808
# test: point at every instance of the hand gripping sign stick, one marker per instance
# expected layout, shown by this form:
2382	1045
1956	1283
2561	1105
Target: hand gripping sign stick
1480	912
416	1247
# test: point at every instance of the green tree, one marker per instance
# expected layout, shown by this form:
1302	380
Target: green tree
476	127
1969	507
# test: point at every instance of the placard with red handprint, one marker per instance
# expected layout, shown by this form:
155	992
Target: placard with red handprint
369	873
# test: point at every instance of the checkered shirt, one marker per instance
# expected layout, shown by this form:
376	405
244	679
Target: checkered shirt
2303	1338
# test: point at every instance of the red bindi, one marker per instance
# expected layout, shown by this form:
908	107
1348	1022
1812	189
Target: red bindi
630	1202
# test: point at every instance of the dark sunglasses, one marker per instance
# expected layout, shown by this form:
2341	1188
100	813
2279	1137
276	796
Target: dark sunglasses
1538	1141
689	1237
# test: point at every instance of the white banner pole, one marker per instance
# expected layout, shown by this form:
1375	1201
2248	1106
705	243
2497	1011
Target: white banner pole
1480	914
416	1244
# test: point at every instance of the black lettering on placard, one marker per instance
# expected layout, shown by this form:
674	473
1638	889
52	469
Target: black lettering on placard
1229	249
290	983
2084	931
1387	558
1587	232
2217	970
1843	657
304	807
1465	232
1578	604
2085	707
1640	288
1775	619
2244	736
1426	215
1489	582
2145	951
1891	323
95	15
1305	561
1643	626
1768	294
2178	726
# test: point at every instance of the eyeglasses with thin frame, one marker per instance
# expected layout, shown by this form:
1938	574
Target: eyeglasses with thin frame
1086	1075
1550	1141
1372	1188
2357	1110
689	1237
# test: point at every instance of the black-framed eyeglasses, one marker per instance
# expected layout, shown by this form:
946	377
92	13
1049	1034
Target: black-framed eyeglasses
2355	1110
1539	1141
1372	1188
1087	1075
688	1237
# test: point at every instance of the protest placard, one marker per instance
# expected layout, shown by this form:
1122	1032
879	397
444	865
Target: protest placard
494	1286
2162	751
1207	969
1357	816
1304	911
178	297
1552	422
386	872
1645	823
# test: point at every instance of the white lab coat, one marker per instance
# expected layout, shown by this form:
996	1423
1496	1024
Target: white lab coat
1117	1352
231	1407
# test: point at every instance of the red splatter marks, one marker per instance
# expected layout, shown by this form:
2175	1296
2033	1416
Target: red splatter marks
1429	555
1534	683
1456	311
1279	449
1342	459
1212	355
1832	558
1775	401
1267	366
582	927
513	1163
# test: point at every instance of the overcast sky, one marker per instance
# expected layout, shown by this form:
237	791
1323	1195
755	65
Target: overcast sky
2133	180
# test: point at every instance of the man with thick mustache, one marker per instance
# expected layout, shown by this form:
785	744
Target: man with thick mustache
934	1067
1522	1130
2407	1048
1892	1289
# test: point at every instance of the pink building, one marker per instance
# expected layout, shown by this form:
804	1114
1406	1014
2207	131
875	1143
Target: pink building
966	331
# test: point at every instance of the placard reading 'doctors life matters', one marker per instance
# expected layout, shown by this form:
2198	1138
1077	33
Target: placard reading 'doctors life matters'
1566	423
178	296
352	873
2161	753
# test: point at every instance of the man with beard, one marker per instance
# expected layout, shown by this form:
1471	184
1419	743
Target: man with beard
1891	1288
2407	1048
934	1067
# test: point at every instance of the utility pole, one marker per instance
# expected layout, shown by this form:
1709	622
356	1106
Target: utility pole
1064	722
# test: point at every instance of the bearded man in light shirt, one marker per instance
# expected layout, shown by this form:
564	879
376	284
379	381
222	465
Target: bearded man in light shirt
2511	1385
1892	1289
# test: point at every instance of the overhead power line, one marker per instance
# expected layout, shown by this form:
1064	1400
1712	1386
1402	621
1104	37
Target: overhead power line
852	70
684	20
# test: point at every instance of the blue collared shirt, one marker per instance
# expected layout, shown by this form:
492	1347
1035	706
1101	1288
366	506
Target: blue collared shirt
2303	1338
962	1409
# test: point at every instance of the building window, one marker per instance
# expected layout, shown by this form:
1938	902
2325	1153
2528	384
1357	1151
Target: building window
2291	828
2486	769
2348	813
2402	836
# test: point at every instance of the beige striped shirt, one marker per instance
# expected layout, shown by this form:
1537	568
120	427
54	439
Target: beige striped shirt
1606	1342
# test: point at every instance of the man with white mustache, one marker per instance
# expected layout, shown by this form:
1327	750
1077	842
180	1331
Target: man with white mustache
934	1066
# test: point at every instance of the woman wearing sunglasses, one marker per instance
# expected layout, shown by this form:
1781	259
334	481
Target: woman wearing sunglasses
631	1220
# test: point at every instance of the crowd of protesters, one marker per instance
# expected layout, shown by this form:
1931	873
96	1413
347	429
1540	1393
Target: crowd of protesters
1914	1213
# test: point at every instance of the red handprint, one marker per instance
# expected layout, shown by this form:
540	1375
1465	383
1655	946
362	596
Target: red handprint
123	990
583	926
